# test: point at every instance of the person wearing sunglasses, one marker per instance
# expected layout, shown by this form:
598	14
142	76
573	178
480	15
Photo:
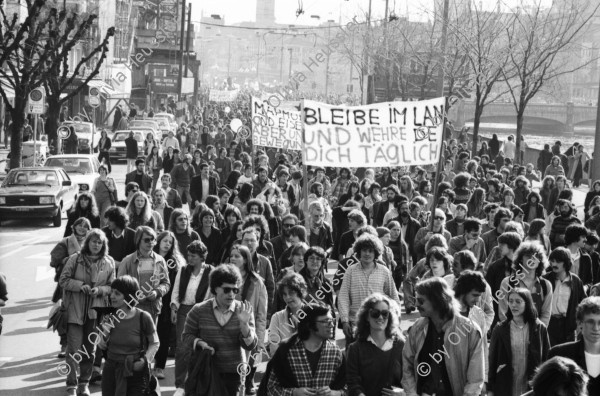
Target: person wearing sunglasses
374	363
425	233
150	270
293	369
443	354
222	325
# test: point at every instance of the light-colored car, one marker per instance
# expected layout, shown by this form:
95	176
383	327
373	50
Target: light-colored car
118	149
86	132
168	116
36	192
81	168
146	124
165	126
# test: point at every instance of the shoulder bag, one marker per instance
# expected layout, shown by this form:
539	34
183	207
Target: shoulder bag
151	387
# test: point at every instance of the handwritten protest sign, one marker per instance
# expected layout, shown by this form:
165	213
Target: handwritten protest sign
222	96
381	134
275	126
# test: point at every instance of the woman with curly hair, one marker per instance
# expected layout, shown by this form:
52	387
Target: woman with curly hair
140	213
561	187
461	188
528	266
546	190
84	206
319	287
231	216
438	262
168	248
374	360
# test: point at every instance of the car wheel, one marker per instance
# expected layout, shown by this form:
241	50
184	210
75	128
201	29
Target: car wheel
57	219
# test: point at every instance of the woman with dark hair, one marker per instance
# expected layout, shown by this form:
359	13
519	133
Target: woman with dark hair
353	189
537	233
153	166
407	187
592	193
545	191
105	192
292	291
85	206
168	248
373	196
518	346
252	290
231	216
494	144
494	194
168	161
438	262
460	370
179	225
139	210
533	208
319	287
528	266
232	180
374	362
399	250
126	371
210	235
85	281
340	185
149	144
189	288
560	376
297	235
476	203
243	197
235	235
149	268
577	172
560	187
213	202
484	150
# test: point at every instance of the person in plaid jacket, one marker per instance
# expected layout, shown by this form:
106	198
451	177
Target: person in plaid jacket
310	363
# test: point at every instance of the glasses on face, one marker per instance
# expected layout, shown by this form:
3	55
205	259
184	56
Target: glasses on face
376	313
149	240
328	322
228	290
440	218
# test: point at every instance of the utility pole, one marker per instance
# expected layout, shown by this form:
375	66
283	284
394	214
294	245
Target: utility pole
180	78
595	171
387	54
442	60
229	60
281	62
257	54
328	56
187	39
290	71
366	70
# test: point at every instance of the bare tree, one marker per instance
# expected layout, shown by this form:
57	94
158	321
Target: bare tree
29	51
480	35
537	42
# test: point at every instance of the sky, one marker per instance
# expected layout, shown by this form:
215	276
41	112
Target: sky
236	11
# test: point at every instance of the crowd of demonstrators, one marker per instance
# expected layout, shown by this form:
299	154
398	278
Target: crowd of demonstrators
217	242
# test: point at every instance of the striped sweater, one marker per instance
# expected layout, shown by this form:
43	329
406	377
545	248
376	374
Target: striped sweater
226	340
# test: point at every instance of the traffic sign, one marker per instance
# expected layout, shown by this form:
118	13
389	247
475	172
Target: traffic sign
94	97
64	132
35	104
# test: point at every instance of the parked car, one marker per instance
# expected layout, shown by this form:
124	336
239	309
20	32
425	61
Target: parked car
165	126
169	117
81	168
86	133
36	192
118	150
146	124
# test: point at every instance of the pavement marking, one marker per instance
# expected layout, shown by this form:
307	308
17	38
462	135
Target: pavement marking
44	272
31	242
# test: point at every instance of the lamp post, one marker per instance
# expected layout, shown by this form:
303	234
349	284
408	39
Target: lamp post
290	71
329	22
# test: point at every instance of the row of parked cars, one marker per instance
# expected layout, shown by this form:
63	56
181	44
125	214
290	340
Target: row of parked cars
51	190
159	126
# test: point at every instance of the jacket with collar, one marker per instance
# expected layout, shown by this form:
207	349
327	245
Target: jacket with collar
577	294
576	351
128	241
203	377
160	279
466	368
146	181
500	377
196	187
412	227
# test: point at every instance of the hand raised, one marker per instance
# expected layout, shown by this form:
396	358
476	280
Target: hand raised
244	312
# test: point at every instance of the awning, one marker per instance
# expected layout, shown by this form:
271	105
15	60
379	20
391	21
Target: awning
104	88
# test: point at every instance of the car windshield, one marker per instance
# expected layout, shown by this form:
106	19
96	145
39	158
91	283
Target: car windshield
81	128
72	165
21	177
120	137
148	124
163	123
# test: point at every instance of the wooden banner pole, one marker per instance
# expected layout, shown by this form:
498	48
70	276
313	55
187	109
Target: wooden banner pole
304	169
440	167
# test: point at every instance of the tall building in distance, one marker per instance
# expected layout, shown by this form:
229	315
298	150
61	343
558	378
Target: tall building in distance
265	12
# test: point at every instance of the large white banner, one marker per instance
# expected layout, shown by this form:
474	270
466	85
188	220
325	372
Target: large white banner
222	96
275	126
381	134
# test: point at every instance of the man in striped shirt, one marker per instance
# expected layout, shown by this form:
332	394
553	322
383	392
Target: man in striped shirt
363	279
